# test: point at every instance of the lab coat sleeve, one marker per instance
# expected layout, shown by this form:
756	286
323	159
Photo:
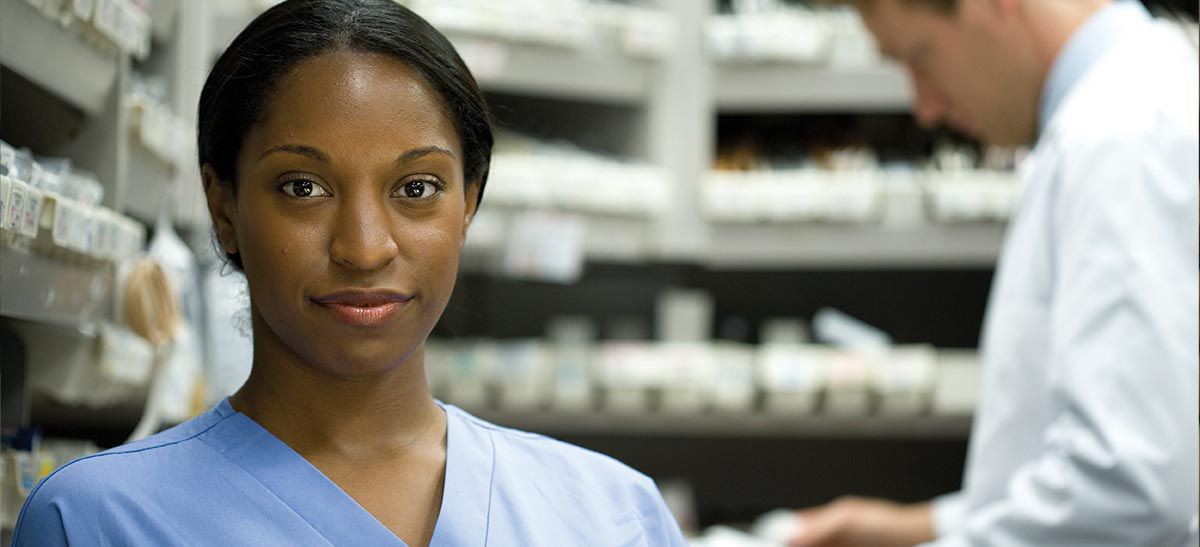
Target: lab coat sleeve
1118	464
658	524
948	511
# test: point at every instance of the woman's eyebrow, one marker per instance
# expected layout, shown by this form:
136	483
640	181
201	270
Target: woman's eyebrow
418	153
316	154
297	149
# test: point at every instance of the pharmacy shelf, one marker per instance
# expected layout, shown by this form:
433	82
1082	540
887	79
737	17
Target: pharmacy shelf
732	425
766	246
511	67
556	72
753	88
150	178
47	290
56	58
607	238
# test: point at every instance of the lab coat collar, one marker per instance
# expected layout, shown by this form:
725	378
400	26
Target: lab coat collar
1090	41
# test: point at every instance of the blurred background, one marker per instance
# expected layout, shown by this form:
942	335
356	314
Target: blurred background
714	244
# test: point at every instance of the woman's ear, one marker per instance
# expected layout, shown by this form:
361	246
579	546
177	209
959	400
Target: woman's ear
471	195
221	208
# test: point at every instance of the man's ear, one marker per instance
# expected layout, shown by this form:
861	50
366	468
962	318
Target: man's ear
221	208
471	195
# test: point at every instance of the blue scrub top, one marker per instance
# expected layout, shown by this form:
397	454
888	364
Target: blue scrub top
221	479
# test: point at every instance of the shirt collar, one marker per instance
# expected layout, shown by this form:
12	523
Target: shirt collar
1089	42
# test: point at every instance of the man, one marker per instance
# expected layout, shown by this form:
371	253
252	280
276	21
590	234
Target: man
1086	432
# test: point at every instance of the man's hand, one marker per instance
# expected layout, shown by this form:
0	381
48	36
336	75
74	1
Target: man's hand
855	522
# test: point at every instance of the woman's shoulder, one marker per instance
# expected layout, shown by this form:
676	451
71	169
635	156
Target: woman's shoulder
549	464
533	475
132	471
547	452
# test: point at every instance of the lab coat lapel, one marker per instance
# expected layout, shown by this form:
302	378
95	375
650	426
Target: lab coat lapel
300	487
467	495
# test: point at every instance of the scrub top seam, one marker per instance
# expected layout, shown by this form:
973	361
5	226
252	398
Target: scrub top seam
487	523
38	488
273	493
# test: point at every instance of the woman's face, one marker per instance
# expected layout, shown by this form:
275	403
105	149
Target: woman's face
350	213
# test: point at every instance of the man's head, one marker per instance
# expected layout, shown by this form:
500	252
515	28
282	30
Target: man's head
976	65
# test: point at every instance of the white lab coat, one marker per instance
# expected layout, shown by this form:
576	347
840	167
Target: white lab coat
1086	433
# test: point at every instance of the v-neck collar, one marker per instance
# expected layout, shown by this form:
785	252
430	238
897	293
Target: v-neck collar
467	493
334	514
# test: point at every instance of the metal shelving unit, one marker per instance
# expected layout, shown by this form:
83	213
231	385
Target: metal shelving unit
45	290
555	72
789	88
67	97
83	73
772	246
733	426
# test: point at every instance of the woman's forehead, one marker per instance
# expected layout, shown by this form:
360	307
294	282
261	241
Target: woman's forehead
355	98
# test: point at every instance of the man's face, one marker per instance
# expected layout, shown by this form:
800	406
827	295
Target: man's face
966	71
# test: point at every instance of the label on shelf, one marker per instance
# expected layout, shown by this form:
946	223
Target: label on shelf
105	229
60	234
5	188
33	208
16	206
83	9
108	19
87	230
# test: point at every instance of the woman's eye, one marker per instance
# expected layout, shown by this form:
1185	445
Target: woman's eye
302	188
418	189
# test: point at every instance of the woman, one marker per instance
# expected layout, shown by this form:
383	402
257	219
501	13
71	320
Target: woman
344	148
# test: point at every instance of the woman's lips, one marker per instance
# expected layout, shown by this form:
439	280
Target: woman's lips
363	308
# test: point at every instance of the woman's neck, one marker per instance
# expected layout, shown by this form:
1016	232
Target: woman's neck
315	412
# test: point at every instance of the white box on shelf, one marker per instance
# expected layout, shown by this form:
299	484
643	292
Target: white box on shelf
34	198
5	189
735	383
683	315
572	377
104	234
83	9
61	226
571	339
853	196
546	246
628	371
16	205
849	374
852	46
107	20
523	375
688	377
956	390
86	239
467	372
780	36
792	377
904	380
903	199
783	330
